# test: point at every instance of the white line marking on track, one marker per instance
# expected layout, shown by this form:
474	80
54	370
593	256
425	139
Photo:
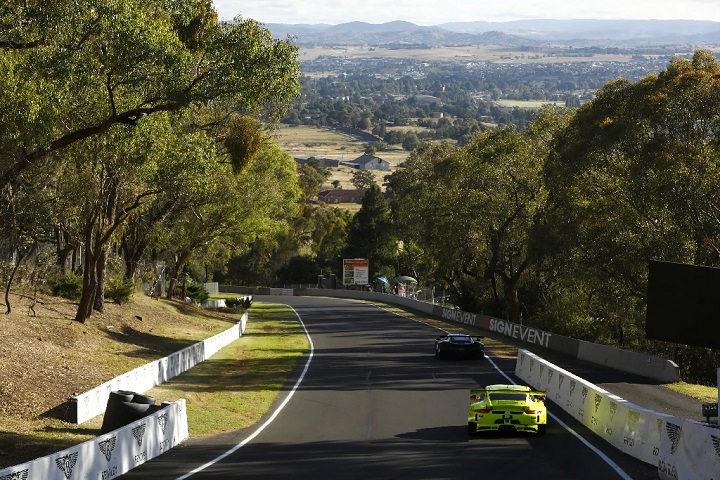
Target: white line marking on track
604	457
269	420
262	427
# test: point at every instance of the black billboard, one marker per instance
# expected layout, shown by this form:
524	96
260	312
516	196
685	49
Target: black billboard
683	304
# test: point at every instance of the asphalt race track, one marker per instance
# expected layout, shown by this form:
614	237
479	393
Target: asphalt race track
372	401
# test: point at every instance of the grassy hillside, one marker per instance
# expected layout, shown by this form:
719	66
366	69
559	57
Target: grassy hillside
47	358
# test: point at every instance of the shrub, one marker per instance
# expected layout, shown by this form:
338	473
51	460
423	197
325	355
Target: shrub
198	293
233	302
243	302
67	286
120	291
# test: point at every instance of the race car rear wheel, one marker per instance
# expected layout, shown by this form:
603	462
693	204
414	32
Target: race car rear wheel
472	428
542	429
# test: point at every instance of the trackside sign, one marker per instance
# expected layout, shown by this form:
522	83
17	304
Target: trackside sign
459	316
519	332
509	329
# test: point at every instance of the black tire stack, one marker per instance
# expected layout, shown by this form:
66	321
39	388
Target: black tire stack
124	407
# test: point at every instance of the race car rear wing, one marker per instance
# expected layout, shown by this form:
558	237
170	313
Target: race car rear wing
539	396
479	394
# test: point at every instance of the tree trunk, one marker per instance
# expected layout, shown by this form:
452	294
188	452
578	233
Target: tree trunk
179	265
512	300
171	288
18	261
64	248
89	290
101	267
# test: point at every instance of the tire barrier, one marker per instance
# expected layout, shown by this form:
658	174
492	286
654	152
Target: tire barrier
125	407
114	453
93	402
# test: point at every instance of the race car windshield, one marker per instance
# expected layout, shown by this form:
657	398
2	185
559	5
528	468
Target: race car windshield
461	339
515	397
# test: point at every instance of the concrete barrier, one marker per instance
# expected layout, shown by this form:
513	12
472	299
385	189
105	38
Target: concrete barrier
92	403
427	308
681	449
660	369
648	366
112	454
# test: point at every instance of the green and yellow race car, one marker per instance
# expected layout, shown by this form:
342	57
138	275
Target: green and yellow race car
508	408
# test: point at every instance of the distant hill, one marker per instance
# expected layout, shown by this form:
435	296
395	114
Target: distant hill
513	33
390	33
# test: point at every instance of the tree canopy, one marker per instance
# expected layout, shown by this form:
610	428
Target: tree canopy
133	106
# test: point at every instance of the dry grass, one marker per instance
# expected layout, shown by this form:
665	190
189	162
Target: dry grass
470	53
307	141
48	358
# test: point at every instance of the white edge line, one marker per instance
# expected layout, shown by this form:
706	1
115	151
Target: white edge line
272	417
592	447
257	432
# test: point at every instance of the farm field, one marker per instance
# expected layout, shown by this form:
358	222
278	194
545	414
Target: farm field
307	141
471	53
526	103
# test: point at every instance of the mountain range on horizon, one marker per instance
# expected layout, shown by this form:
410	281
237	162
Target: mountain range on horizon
516	32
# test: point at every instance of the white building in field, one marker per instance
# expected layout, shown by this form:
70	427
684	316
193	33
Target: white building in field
369	162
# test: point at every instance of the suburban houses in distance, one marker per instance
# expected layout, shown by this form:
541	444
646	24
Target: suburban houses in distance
363	162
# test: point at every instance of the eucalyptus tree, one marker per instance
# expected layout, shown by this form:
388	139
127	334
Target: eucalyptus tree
635	177
425	199
362	179
75	74
26	216
370	233
235	210
106	180
504	199
71	69
473	211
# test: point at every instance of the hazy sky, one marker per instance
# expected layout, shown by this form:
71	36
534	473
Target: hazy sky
433	12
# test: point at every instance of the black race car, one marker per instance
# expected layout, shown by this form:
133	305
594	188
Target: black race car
459	345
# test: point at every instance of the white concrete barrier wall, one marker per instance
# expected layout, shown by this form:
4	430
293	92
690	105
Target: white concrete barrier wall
424	307
112	454
681	449
93	402
627	361
282	291
216	303
660	369
689	450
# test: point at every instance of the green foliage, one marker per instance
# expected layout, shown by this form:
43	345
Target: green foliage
67	286
310	181
299	270
318	166
411	141
564	311
119	290
198	293
234	302
243	139
370	233
362	179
